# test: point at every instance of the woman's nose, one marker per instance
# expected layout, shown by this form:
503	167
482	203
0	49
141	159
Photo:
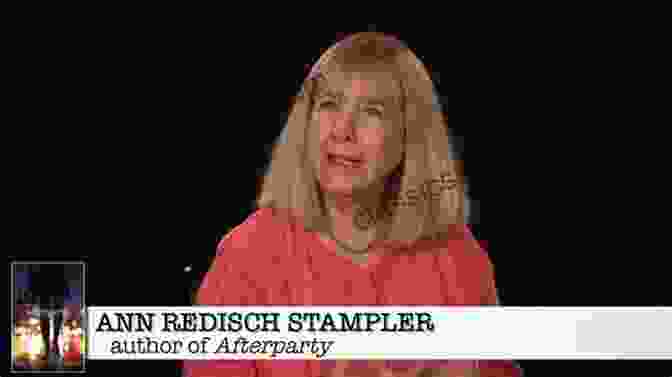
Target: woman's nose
344	126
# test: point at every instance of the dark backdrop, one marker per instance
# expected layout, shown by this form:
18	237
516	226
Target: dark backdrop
139	144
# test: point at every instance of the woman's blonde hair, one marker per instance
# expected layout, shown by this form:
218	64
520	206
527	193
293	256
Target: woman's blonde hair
290	184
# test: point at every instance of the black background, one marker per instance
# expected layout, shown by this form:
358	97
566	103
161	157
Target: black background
136	144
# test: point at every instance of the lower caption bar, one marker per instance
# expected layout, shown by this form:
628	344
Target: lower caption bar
385	333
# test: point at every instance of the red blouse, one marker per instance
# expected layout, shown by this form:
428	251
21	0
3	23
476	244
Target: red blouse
272	260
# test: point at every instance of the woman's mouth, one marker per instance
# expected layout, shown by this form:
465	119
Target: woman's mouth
346	161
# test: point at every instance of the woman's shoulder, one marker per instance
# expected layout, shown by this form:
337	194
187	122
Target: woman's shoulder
261	230
459	246
245	262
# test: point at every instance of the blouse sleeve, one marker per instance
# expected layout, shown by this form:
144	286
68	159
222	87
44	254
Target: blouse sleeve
230	281
494	368
489	288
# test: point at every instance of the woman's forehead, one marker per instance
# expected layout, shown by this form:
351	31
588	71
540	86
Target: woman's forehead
376	84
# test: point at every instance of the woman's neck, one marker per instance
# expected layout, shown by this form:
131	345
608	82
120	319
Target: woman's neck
342	210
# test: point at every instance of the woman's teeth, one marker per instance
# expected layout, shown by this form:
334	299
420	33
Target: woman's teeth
344	161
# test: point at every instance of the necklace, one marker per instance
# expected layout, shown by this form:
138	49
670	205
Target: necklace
364	251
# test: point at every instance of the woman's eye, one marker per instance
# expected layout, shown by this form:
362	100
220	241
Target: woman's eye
374	111
327	105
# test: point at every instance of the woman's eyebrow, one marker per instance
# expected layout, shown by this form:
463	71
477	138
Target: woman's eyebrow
373	100
381	101
329	93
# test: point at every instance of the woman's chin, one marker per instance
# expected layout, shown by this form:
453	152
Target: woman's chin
340	187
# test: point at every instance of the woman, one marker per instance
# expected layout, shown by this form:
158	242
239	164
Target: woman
361	206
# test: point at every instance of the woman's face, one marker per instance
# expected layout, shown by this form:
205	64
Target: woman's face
356	130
